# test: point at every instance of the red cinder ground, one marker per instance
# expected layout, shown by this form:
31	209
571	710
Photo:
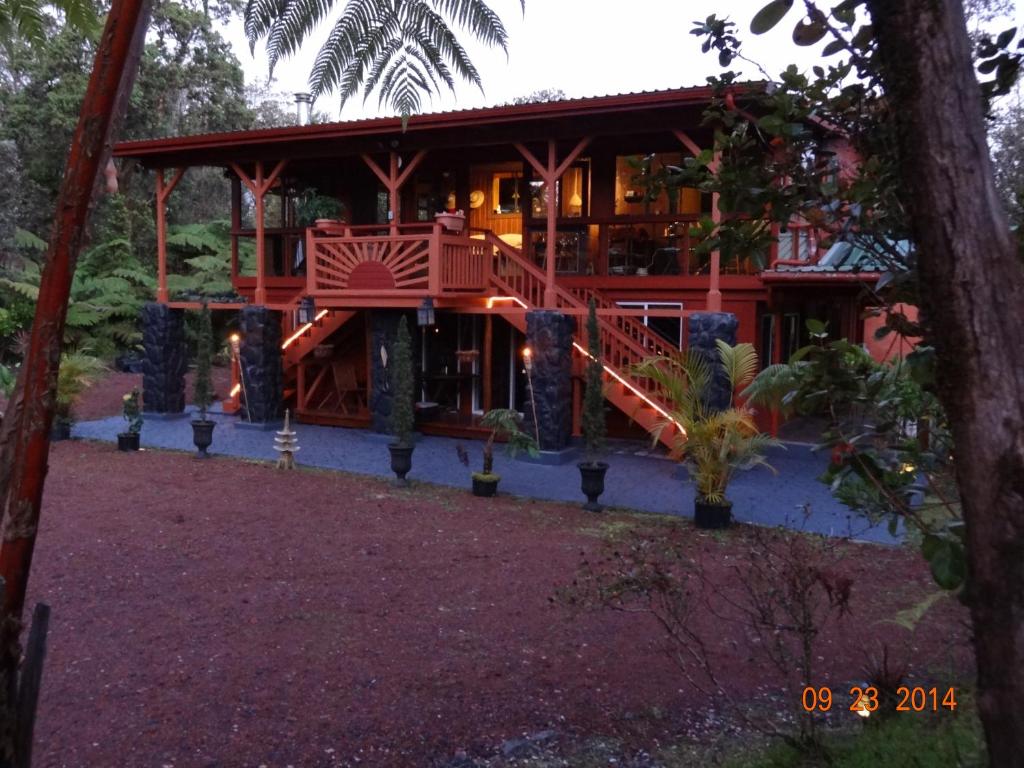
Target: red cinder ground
223	613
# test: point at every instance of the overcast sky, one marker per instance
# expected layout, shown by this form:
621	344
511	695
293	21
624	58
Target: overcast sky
583	47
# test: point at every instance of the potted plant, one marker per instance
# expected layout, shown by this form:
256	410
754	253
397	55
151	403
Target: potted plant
202	394
312	208
78	370
504	423
592	471
714	443
452	221
131	409
402	414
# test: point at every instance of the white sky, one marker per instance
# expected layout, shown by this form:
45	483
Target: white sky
583	47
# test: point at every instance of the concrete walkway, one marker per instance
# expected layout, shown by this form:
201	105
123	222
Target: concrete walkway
649	483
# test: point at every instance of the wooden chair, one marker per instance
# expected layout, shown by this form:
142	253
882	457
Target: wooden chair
346	386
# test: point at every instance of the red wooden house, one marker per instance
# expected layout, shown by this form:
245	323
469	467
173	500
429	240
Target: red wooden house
555	213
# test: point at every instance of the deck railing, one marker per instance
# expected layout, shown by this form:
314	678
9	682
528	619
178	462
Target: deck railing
403	260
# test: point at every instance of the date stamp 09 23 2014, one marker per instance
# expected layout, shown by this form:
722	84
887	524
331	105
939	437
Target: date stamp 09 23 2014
864	700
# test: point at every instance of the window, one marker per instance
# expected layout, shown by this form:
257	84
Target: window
507	192
640	187
670	329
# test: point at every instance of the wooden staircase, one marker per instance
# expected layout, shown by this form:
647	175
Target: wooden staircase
315	335
624	340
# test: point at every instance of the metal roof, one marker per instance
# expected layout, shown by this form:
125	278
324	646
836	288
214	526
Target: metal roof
578	108
843	260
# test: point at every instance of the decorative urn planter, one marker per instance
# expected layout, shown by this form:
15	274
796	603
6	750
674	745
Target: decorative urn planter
61	430
202	436
592	483
485	485
712	516
401	461
452	222
127	441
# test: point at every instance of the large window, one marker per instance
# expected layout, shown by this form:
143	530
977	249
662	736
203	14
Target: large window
640	188
572	193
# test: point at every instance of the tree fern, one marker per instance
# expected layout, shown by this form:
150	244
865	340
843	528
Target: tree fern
402	48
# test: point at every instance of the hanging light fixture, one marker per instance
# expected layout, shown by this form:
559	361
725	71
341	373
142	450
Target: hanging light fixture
307	310
425	313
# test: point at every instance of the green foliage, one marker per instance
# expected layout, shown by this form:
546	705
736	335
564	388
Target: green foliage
922	741
716	444
400	359
505	423
78	370
7	379
202	394
594	419
131	410
404	49
29	20
887	434
105	299
199	259
310	206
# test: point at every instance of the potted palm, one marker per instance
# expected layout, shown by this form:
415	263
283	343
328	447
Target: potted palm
592	471
131	409
202	393
503	423
312	208
78	371
402	414
714	443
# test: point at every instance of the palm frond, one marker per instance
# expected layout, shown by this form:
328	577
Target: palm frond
404	49
739	362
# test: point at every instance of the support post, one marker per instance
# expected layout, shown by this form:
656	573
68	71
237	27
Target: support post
552	212
550	174
260	358
714	302
487	355
706	328
549	336
261	245
163	191
164	359
258	186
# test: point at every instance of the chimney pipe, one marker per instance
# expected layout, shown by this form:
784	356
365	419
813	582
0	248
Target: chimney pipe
303	108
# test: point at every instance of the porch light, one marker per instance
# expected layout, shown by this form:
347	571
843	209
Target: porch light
307	310
528	358
425	313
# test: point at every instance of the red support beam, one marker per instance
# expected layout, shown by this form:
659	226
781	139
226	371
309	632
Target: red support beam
550	174
163	192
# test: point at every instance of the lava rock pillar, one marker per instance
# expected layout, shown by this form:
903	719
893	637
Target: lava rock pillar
260	356
383	330
164	359
549	337
706	328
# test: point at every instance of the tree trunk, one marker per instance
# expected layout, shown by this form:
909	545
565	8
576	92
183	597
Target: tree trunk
25	437
972	286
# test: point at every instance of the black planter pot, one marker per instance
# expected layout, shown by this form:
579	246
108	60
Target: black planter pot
485	485
202	436
127	441
401	461
61	430
592	483
712	516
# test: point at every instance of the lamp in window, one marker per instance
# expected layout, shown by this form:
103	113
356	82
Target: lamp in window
575	200
425	313
307	310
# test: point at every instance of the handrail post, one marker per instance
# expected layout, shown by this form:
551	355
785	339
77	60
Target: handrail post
310	262
434	262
